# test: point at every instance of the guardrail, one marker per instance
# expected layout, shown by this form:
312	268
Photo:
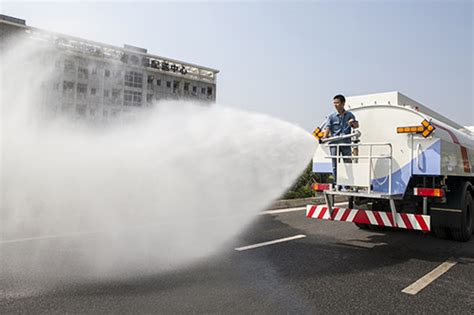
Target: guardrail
370	157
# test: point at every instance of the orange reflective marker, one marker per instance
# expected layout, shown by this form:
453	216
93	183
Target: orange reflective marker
425	129
317	133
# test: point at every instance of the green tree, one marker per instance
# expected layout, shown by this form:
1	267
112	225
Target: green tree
302	187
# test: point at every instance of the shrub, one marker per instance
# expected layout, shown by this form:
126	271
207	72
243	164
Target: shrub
302	187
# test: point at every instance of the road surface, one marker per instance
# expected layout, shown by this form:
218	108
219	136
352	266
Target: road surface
284	263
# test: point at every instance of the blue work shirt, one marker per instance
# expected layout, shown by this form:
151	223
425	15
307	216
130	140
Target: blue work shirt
339	125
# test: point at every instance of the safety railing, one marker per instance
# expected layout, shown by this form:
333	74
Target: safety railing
370	157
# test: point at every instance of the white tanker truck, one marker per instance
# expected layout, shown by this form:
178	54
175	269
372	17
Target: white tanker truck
410	168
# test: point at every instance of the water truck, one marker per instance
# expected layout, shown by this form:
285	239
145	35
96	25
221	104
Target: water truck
410	168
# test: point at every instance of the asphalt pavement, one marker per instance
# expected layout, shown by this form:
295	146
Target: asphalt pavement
297	265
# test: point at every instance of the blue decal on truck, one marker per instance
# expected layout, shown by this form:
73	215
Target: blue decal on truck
427	163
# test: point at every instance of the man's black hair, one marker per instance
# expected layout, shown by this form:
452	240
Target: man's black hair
340	97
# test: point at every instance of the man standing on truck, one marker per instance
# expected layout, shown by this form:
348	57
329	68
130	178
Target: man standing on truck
339	124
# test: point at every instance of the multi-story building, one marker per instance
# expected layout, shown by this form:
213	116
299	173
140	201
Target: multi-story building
98	80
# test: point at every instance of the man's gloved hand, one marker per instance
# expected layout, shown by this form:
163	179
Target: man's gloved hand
353	123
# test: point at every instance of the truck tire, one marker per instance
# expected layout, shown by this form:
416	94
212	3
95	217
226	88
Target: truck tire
441	232
464	232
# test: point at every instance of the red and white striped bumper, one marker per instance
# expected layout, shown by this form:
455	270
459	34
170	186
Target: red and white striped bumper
403	220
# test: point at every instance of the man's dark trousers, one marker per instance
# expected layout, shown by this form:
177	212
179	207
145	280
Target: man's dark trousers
344	151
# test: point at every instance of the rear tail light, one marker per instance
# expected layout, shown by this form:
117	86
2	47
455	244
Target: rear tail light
429	192
320	187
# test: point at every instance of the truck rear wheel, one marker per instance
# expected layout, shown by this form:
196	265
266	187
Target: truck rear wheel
441	232
464	232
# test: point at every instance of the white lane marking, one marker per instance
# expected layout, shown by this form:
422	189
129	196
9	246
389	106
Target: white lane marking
46	237
281	240
431	276
276	211
65	235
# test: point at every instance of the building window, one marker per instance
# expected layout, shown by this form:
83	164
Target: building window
194	89
117	96
209	91
127	97
68	89
186	86
81	90
107	73
132	98
93	91
168	84
134	79
158	82
175	86
68	65
106	93
149	98
82	73
203	90
137	98
150	79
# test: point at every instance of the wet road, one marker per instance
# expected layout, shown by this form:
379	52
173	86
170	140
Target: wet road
315	267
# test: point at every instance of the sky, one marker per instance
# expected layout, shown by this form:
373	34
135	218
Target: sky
288	59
